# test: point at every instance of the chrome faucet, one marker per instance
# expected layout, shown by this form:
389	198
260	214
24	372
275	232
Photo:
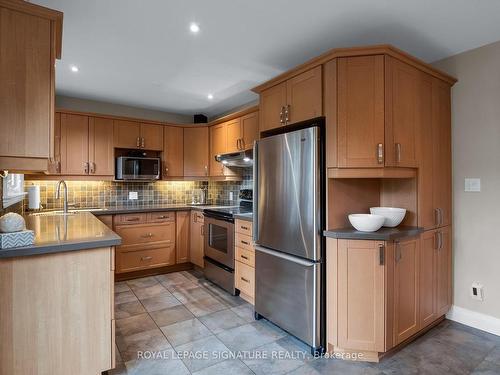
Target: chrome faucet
65	202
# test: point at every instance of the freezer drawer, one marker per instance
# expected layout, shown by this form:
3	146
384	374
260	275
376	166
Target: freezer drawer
287	293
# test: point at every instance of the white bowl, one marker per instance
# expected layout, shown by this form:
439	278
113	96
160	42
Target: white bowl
393	215
366	222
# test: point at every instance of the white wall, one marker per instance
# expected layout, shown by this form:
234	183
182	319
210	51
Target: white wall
476	153
93	106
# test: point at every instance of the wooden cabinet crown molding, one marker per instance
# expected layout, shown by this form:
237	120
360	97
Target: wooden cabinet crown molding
382	49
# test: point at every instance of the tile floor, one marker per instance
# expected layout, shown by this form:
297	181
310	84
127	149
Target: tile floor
181	323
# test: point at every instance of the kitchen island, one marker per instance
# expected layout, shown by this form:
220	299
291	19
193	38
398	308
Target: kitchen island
57	308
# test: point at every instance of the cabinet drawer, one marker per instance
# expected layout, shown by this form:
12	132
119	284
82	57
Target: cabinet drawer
146	233
161	217
245	279
127	261
245	256
197	217
243	241
244	227
127	219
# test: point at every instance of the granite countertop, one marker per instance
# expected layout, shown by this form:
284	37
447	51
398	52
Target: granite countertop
60	233
383	234
247	216
136	208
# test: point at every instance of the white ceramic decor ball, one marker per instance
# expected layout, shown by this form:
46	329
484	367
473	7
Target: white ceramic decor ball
11	222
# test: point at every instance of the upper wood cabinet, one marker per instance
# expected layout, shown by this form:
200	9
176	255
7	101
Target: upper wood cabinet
361	295
218	146
173	152
196	141
406	288
86	145
30	41
360	117
434	183
249	129
401	113
131	134
299	98
234	135
55	163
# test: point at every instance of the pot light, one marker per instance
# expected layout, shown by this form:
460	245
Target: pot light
194	27
210	96
74	68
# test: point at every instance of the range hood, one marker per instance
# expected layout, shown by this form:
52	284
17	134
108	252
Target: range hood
237	159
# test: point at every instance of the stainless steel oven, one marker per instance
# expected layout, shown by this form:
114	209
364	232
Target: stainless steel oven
219	250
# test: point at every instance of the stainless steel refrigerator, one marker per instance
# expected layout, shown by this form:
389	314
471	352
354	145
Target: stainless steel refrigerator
289	220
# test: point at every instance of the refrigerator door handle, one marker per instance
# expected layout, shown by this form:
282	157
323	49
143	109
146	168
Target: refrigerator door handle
290	258
255	225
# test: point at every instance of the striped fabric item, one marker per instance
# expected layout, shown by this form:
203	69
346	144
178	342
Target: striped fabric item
17	239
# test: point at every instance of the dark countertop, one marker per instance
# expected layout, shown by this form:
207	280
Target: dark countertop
60	233
136	208
383	234
247	217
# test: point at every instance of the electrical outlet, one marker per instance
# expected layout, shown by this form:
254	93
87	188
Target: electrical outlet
231	195
477	292
133	195
473	185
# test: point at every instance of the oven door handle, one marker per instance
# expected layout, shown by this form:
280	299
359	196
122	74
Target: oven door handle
290	258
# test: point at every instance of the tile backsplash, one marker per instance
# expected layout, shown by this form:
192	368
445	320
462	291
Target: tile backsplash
110	193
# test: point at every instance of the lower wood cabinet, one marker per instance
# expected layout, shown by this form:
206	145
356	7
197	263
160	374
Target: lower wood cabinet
182	236
244	252
381	293
197	238
135	260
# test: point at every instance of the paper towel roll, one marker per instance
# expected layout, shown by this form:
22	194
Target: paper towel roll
34	197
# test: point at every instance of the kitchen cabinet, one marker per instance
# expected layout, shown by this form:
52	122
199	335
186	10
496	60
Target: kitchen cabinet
406	288
361	295
234	134
196	151
106	220
196	243
360	112
299	98
244	251
30	42
443	270
173	152
427	278
401	113
182	236
86	145
250	130
218	146
434	183
135	135
74	144
55	163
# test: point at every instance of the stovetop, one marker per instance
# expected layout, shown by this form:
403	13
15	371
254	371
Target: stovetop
229	212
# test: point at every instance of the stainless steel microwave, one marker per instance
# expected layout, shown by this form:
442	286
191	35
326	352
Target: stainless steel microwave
137	168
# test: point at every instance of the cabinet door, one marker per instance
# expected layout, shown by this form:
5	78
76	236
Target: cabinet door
427	278
173	151
152	137
406	289
196	152
304	96
271	107
196	244
26	76
126	134
442	151
218	142
101	158
55	165
426	212
233	141
360	111
182	237
250	129
443	271
401	113
361	295
74	144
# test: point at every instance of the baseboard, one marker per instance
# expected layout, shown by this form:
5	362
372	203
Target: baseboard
474	319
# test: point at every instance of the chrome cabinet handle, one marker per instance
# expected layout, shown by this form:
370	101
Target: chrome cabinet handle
245	228
147	235
166	171
92	167
244	257
242	143
133	219
58	166
381	254
399	255
398	152
440	240
380	153
142	142
245	280
281	115
206	170
202	230
287	113
146	258
245	242
137	142
439	216
86	167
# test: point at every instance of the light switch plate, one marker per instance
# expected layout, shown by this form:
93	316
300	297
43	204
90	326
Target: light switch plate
473	184
133	195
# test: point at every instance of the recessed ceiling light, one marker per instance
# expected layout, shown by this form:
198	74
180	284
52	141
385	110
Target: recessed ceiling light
194	27
210	96
74	68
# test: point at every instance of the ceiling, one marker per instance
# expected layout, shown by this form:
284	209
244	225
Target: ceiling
141	53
